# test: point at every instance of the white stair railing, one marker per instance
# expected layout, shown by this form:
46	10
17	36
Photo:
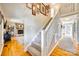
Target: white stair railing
50	36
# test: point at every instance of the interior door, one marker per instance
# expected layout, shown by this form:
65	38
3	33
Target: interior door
67	29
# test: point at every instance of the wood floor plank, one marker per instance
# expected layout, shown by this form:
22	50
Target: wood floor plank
13	48
60	52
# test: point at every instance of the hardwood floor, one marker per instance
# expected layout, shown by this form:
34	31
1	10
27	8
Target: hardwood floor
60	52
13	48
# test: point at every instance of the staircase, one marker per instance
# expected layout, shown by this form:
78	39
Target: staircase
47	35
61	52
35	47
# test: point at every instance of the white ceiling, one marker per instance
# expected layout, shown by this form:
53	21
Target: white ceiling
15	11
